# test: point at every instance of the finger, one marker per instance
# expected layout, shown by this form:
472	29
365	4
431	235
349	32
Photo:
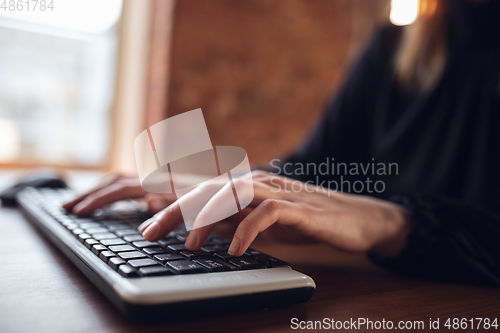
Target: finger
157	202
144	225
286	234
219	206
287	185
166	220
222	204
105	182
107	195
275	180
260	174
238	217
266	214
157	228
162	223
263	191
172	216
268	178
197	237
255	174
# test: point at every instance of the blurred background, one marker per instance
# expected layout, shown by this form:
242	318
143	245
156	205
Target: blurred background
80	79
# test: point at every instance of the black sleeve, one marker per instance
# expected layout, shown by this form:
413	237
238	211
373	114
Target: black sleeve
344	131
450	240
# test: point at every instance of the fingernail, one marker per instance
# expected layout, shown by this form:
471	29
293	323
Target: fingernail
145	224
192	239
235	247
151	231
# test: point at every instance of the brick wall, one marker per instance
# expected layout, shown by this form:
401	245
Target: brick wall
262	70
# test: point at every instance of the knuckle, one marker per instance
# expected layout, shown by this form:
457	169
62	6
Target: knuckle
259	173
207	186
151	196
271	205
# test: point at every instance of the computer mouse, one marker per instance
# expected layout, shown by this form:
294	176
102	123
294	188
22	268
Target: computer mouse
8	196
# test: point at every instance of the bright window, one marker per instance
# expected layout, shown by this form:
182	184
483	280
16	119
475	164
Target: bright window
57	81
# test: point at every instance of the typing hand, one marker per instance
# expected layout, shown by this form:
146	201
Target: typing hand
348	222
114	188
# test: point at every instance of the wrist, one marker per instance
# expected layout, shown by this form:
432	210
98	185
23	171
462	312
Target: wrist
395	230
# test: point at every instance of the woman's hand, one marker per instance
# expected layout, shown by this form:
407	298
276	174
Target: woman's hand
114	188
348	222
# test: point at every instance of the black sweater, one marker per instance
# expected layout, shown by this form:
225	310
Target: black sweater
446	143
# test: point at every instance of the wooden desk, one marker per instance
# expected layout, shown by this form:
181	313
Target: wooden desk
41	291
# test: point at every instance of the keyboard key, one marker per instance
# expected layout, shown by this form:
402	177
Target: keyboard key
77	231
169	241
131	255
178	232
168	257
194	254
105	235
154	250
113	227
177	247
181	238
107	223
88	225
220	240
81	220
271	262
96	230
186	267
133	238
214	265
154	271
113	241
83	236
127	271
214	248
65	220
89	242
106	255
144	244
124	232
121	248
72	226
98	249
142	262
115	262
245	263
223	255
253	253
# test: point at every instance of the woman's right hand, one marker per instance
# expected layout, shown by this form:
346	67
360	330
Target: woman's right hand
114	188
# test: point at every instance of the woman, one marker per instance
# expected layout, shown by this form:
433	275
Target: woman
424	97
